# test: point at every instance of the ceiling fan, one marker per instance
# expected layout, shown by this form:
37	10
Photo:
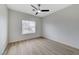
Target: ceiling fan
38	10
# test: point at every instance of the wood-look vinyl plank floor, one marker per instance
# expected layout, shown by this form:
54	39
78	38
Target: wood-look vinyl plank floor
40	46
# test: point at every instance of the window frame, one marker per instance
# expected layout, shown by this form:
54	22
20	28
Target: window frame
30	32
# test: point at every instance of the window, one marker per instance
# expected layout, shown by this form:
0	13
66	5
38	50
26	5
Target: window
28	26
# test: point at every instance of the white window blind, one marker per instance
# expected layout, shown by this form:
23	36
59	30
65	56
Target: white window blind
28	26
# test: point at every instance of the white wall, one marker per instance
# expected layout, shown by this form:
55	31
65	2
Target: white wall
15	26
63	26
3	28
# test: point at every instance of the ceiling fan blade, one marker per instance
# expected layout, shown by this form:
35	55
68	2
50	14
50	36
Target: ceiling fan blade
44	10
36	13
34	7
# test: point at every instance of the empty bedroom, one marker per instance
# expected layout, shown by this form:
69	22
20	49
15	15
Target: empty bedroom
39	29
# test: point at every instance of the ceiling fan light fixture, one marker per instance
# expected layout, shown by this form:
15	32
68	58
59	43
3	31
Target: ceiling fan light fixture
39	11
